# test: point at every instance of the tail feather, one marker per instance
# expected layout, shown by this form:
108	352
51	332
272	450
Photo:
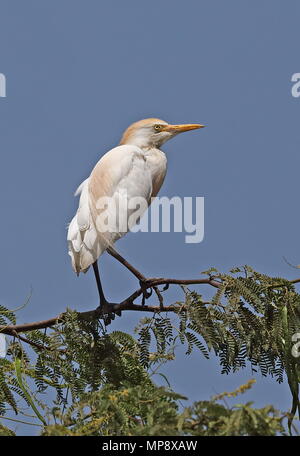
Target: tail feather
84	243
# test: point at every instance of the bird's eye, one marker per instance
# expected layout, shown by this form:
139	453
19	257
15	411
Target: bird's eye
157	127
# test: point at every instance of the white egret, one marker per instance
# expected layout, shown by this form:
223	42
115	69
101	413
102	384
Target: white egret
135	168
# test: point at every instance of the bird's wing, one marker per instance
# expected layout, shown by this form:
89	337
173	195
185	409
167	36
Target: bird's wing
121	174
122	167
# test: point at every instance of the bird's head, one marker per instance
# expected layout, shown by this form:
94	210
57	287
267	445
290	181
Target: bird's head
153	132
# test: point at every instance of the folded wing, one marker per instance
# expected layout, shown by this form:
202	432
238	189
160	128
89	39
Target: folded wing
103	213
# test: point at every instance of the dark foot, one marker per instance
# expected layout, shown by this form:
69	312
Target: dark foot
106	312
144	287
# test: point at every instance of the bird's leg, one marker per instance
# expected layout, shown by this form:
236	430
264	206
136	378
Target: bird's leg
127	265
135	272
105	307
142	279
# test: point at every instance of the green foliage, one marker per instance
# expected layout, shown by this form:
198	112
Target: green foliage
4	431
136	410
103	381
250	319
154	411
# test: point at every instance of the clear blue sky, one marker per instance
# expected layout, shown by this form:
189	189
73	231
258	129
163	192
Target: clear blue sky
78	73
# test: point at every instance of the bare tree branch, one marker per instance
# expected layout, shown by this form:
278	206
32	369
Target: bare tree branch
127	304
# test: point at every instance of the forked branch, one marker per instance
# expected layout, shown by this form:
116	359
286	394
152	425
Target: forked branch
127	304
